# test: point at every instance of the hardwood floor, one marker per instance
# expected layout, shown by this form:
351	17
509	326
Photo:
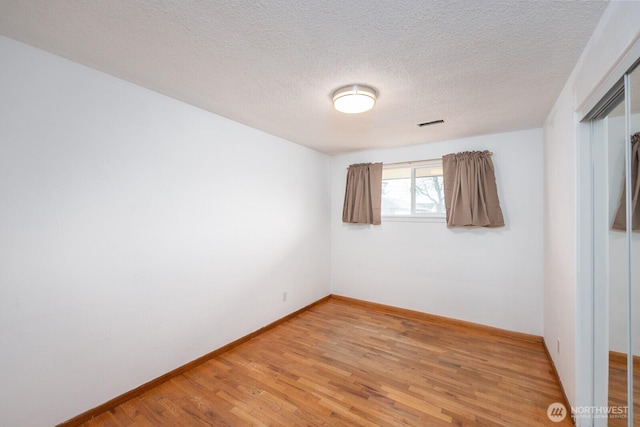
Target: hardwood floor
341	363
618	388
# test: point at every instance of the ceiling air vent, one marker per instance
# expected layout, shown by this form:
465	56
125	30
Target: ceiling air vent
435	122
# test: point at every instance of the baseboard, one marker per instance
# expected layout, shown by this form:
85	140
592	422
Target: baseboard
440	319
107	406
555	372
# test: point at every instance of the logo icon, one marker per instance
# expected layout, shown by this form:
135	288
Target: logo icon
556	412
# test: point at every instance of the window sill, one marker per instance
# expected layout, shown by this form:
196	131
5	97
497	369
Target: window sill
414	218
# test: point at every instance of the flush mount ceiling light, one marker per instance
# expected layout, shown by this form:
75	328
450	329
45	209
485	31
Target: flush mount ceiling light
354	99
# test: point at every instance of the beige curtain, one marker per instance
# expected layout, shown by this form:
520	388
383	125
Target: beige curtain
470	192
620	221
363	195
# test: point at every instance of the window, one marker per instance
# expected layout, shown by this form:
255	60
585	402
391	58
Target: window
413	189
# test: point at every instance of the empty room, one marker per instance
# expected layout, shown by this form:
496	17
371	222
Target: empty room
323	213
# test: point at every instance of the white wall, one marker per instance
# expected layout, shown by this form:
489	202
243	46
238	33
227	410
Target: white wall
137	233
566	303
488	276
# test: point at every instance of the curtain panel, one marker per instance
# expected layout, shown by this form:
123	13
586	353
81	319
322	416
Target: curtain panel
363	195
470	192
620	221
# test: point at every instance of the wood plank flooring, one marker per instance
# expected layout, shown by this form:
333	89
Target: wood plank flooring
344	364
618	388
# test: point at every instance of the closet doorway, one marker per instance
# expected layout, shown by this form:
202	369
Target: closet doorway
615	138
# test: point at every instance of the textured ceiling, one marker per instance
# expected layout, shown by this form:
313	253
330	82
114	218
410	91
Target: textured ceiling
484	66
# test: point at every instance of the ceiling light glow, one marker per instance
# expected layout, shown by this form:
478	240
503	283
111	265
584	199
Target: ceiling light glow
354	99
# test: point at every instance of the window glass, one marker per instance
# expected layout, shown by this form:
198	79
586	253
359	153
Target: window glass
429	194
413	189
396	191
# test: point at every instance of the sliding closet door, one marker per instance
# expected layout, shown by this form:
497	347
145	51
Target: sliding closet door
611	263
633	84
619	267
616	255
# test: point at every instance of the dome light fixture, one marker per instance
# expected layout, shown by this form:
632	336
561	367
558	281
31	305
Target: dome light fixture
354	99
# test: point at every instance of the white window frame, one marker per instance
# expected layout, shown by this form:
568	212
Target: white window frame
413	217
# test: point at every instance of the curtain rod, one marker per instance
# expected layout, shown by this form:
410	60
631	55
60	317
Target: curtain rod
430	160
406	163
413	161
425	160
